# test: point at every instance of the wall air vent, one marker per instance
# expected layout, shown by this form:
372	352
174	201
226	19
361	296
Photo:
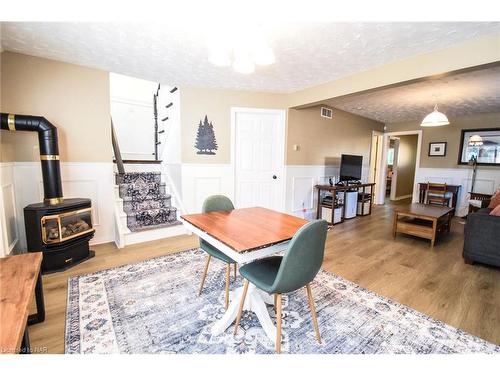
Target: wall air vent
326	112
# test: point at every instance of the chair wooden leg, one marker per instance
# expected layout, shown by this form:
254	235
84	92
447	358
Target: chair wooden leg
204	274
228	277
274	307
278	323
235	265
313	312
242	303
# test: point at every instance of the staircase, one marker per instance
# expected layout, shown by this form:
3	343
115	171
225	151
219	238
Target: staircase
143	208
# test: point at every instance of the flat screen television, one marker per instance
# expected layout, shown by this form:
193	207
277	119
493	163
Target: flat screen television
350	167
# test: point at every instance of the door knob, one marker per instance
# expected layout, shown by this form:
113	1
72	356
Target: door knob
274	177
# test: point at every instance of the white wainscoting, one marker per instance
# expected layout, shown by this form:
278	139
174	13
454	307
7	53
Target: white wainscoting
202	180
487	181
9	227
80	180
301	196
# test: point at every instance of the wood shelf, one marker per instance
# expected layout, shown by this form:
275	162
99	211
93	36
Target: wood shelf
363	198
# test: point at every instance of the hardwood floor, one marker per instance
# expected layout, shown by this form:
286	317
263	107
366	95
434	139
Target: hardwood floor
436	282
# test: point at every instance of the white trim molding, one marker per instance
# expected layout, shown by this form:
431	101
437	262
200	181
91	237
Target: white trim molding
487	181
80	180
9	214
199	181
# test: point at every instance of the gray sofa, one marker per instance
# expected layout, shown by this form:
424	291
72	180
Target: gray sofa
482	238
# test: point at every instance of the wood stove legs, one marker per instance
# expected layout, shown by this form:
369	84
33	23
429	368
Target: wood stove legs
39	316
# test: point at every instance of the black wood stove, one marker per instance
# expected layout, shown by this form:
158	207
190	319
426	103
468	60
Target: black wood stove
60	228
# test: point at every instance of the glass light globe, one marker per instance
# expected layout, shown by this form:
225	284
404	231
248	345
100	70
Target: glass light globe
435	118
476	140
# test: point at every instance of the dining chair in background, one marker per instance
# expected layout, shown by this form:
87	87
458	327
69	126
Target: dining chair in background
296	269
217	203
436	194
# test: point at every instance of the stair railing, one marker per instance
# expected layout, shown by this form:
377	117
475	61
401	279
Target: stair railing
116	150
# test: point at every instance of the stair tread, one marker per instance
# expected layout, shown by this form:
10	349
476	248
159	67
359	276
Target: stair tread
141	184
134	173
151	210
157	226
127	198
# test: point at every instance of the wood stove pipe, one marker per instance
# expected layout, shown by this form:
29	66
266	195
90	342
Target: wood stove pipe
49	150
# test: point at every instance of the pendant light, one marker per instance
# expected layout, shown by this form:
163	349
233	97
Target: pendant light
435	118
475	140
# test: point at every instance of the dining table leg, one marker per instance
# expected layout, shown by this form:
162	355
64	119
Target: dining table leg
256	301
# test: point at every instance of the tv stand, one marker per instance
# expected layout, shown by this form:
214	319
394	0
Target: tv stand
364	199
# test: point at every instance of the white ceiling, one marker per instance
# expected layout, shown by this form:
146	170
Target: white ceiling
457	95
307	54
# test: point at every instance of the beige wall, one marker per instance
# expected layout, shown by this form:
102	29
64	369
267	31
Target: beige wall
407	156
450	134
321	141
73	98
216	104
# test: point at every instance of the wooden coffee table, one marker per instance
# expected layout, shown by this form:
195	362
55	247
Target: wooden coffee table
422	220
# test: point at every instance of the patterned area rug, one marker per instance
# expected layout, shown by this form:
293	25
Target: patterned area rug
153	307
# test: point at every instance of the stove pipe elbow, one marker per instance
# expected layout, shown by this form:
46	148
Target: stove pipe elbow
49	150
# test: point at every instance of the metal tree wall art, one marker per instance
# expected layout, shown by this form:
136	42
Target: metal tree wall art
205	138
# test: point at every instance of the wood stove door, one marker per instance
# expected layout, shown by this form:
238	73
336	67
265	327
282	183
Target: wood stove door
65	226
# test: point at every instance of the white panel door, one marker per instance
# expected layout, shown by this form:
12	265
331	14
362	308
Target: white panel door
259	158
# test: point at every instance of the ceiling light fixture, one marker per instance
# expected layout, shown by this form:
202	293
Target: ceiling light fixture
475	140
242	50
435	118
220	57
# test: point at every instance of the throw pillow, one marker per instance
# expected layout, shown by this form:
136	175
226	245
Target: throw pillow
495	200
495	211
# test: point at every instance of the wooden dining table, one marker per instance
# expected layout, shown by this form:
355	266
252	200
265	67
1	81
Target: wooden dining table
245	235
20	279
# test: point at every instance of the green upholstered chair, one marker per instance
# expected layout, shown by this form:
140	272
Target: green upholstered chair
296	269
217	203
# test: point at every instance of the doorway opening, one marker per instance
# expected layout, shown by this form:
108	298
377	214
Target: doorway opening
399	166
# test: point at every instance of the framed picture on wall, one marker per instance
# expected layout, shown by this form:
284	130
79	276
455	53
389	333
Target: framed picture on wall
437	148
483	145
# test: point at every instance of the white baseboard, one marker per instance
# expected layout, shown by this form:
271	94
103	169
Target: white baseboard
402	197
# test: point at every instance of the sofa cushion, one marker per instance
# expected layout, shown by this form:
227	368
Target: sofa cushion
483	211
495	211
482	235
495	200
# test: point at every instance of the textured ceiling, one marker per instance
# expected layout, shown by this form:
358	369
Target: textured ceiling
457	95
307	54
